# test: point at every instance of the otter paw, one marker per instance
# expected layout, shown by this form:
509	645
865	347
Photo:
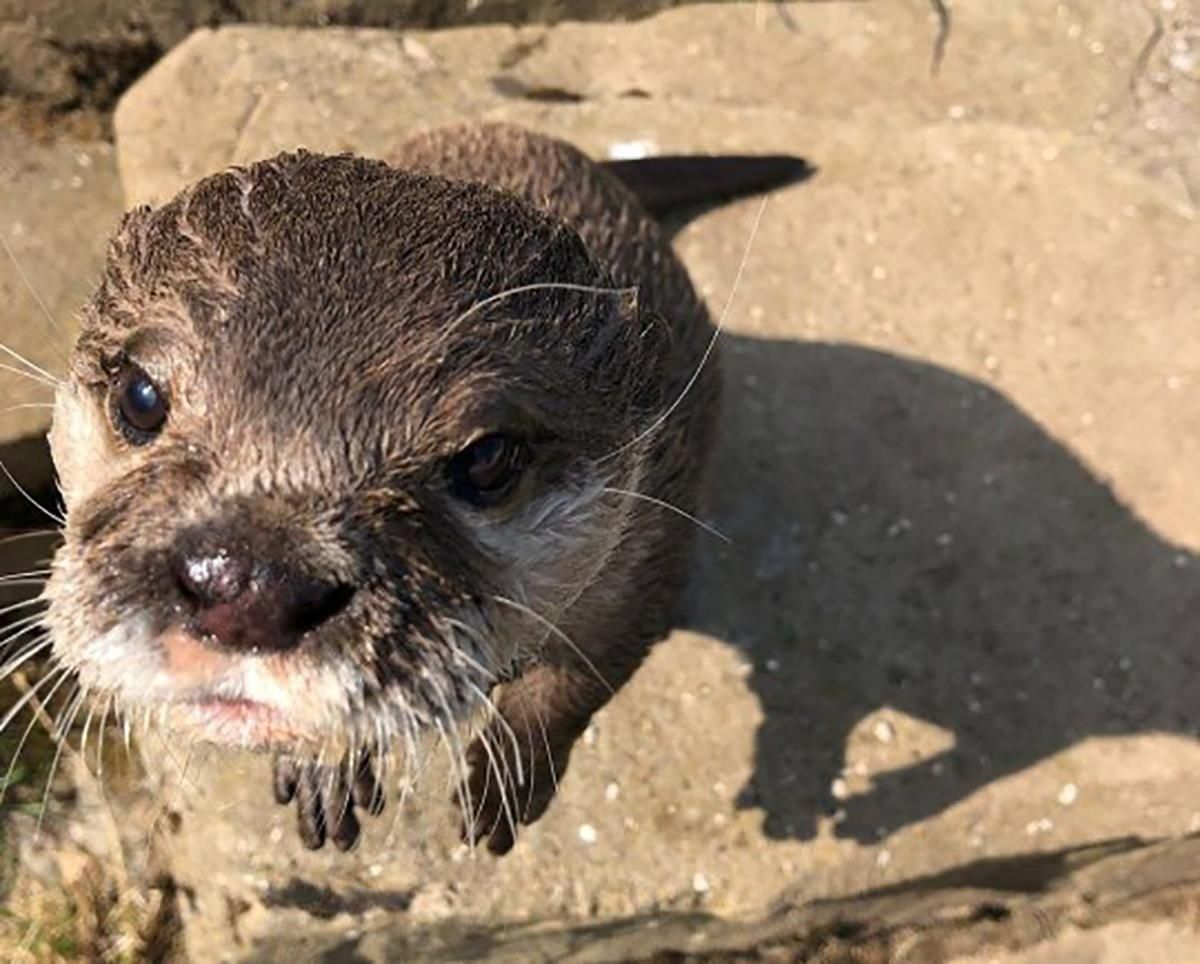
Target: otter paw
503	794
327	797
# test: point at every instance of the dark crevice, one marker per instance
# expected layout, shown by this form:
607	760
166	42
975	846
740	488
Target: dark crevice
507	86
105	69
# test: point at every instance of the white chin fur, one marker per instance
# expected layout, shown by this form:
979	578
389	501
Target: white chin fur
127	661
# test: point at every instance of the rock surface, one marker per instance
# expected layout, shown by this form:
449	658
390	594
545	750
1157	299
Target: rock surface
60	199
1119	901
73	53
956	621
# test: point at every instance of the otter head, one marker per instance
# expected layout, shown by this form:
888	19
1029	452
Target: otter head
337	446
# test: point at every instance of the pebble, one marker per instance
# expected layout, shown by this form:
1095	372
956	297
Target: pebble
587	833
884	731
631	150
611	792
1068	794
839	789
700	883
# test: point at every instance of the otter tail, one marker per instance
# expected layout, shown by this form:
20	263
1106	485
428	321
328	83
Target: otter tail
669	183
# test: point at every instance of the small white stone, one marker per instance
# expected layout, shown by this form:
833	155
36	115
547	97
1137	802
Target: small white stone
589	735
772	666
587	833
276	835
957	111
632	150
884	731
611	792
840	789
1068	794
375	870
700	883
883	858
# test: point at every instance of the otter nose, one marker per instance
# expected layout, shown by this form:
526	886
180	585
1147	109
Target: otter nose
245	604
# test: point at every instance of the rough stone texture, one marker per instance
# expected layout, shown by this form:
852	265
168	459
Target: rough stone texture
71	53
1084	906
60	199
957	619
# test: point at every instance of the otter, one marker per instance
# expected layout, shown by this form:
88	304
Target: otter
352	451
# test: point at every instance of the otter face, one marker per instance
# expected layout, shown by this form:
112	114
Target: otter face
328	478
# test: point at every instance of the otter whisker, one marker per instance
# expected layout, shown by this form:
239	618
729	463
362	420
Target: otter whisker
499	718
29	285
12	766
24	576
17	408
33	721
61	744
65	713
503	779
629	493
478	306
30	693
459	756
35	369
712	343
26	374
18	628
549	753
558	634
461	790
61	520
20	604
108	705
87	726
32	649
30	534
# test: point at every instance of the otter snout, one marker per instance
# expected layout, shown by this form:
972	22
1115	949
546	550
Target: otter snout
245	602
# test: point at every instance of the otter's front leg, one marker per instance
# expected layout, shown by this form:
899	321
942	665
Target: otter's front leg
516	764
327	797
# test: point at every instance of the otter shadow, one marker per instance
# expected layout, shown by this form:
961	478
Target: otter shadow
906	537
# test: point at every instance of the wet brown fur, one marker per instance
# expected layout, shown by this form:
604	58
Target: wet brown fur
312	320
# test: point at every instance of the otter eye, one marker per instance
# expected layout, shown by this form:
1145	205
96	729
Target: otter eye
141	407
486	470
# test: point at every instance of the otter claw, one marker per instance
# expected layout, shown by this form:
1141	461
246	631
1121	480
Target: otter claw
500	801
327	797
